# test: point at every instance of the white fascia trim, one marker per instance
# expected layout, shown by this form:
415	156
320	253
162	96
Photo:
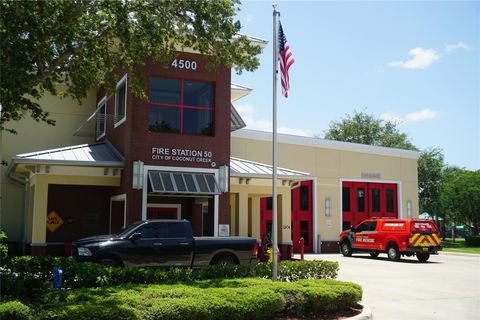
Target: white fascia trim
119	83
326	144
316	217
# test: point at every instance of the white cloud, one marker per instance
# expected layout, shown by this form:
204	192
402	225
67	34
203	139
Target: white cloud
417	116
247	112
449	48
421	59
245	109
425	114
250	18
389	116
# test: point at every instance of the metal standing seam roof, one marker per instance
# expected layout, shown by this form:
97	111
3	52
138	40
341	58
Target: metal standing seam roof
183	182
246	168
102	153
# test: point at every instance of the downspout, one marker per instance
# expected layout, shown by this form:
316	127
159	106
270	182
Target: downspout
25	183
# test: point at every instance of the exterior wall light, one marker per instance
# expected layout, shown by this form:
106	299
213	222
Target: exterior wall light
409	208
328	207
223	178
137	181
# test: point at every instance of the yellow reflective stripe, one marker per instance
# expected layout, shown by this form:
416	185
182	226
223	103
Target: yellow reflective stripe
436	239
419	240
415	236
425	240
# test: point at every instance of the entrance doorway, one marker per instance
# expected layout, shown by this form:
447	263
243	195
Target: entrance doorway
118	213
164	211
363	200
301	217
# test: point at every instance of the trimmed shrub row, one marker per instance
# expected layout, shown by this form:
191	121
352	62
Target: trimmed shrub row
472	241
209	299
26	277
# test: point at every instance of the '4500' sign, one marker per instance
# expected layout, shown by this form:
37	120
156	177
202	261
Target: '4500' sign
184	64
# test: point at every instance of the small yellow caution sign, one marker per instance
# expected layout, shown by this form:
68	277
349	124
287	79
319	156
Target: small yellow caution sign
54	221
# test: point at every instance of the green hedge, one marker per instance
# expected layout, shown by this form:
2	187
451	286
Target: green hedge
15	310
472	241
27	277
208	299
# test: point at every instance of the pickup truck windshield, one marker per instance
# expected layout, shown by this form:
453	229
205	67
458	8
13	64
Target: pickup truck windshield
125	232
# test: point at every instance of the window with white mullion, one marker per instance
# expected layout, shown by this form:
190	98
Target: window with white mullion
101	119
121	102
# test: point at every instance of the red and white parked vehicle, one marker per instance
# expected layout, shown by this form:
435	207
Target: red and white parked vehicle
395	237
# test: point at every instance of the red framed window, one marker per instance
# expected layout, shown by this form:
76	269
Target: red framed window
181	106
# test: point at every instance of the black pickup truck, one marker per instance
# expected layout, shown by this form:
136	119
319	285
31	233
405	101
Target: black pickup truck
164	243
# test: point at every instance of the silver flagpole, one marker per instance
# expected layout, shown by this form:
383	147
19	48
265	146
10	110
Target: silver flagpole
274	147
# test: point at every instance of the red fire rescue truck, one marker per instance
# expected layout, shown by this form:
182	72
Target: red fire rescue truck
395	237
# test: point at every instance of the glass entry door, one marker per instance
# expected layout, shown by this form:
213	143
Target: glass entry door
164	211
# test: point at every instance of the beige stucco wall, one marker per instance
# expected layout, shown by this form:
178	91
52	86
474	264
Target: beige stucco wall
35	136
330	166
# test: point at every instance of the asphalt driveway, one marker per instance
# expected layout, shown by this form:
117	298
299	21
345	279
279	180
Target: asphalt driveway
446	287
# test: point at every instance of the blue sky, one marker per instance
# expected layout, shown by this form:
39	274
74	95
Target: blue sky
417	63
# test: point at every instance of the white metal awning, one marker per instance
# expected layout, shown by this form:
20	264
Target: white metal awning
251	169
183	182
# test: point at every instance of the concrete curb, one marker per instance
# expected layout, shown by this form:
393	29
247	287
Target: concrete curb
365	315
459	253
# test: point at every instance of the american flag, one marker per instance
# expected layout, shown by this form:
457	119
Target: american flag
286	59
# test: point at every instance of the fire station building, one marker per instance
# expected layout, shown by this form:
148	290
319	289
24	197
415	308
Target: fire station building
184	154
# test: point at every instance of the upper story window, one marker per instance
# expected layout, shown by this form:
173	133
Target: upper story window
121	102
181	106
101	123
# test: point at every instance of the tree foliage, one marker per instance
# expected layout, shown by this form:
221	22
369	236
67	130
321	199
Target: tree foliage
430	177
460	197
366	129
81	43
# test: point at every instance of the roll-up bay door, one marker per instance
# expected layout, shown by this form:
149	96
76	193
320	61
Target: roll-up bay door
183	182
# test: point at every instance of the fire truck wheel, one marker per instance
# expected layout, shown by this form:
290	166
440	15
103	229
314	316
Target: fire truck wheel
393	253
346	249
423	257
374	254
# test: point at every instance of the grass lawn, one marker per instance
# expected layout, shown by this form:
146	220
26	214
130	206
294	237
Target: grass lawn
459	246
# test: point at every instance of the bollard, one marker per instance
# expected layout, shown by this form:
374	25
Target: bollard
301	243
57	278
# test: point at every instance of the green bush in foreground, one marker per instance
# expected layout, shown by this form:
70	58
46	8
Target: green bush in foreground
27	277
472	241
14	310
209	299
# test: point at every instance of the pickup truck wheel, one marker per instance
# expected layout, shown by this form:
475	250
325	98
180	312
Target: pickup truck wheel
393	253
108	262
423	257
346	249
374	254
224	259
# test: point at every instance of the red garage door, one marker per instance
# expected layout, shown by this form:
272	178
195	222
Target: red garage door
363	200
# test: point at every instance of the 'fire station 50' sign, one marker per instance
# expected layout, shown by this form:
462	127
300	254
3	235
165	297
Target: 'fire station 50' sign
183	155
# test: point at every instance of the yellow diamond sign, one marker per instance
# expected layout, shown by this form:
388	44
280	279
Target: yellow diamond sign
53	221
